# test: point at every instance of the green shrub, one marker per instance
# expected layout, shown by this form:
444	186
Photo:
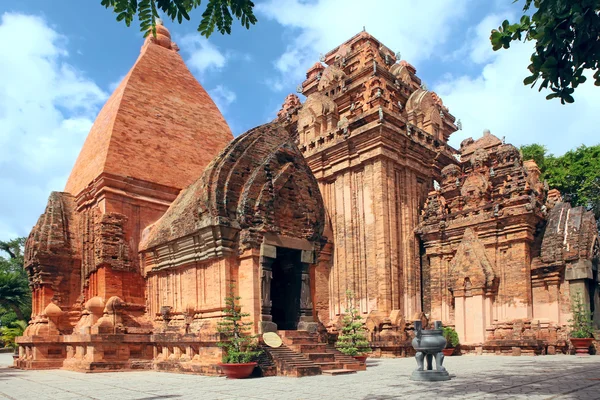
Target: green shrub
451	336
581	324
352	340
239	345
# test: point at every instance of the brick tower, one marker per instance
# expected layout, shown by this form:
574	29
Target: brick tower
375	139
152	138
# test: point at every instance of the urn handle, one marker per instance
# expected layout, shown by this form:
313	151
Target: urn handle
418	329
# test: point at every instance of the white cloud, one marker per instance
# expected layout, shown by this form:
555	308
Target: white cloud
46	110
202	54
496	99
416	29
223	97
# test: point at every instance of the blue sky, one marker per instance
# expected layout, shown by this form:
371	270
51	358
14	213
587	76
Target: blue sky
61	59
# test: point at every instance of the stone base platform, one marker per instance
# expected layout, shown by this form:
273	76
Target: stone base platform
430	376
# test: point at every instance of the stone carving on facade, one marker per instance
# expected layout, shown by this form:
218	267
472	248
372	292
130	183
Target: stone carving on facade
305	298
265	287
317	115
333	77
470	268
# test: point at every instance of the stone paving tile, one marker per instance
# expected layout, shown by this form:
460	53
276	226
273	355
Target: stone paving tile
485	377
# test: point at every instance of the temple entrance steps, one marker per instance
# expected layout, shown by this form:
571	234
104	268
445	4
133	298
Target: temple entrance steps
290	363
302	354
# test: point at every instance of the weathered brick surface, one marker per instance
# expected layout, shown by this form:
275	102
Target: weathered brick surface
158	116
499	247
258	190
82	256
375	141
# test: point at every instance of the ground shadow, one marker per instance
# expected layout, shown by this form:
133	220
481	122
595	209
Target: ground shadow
8	373
540	377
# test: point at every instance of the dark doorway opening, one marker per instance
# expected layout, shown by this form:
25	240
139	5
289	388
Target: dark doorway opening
285	289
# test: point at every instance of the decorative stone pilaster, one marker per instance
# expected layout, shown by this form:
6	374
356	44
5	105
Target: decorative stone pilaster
307	322
268	254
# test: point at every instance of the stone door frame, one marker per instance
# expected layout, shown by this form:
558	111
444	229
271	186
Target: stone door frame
268	255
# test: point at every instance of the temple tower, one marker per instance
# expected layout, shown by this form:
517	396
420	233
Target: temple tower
152	138
375	138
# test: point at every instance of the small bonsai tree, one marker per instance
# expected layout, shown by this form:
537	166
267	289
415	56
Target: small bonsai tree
239	345
352	340
581	324
451	337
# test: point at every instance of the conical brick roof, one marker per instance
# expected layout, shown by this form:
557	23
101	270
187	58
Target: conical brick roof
159	125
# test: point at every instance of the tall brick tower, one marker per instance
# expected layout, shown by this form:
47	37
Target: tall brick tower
375	139
152	138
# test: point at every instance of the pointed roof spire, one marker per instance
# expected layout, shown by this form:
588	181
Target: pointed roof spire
158	126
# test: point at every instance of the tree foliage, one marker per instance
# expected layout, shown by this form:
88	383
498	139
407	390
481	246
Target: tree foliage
218	14
12	331
352	340
15	294
239	345
566	34
576	174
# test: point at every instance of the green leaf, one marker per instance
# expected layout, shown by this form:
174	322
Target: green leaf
530	80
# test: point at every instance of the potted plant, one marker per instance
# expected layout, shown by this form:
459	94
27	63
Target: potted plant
582	330
451	340
239	345
352	339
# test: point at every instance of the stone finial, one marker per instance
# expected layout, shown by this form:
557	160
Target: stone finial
162	38
486	132
289	104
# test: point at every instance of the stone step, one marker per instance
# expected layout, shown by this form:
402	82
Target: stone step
322	357
310	348
355	366
326	366
338	372
295	334
307	371
290	341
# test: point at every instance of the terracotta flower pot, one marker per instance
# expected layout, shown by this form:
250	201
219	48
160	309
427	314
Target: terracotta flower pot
582	346
361	359
448	351
238	371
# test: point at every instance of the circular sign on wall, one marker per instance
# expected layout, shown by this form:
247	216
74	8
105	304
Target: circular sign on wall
272	339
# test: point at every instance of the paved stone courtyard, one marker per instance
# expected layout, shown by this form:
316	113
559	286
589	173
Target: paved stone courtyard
483	377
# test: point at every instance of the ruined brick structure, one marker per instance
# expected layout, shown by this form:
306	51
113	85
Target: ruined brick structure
130	265
503	254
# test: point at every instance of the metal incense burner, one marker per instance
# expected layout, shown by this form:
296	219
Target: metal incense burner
429	344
